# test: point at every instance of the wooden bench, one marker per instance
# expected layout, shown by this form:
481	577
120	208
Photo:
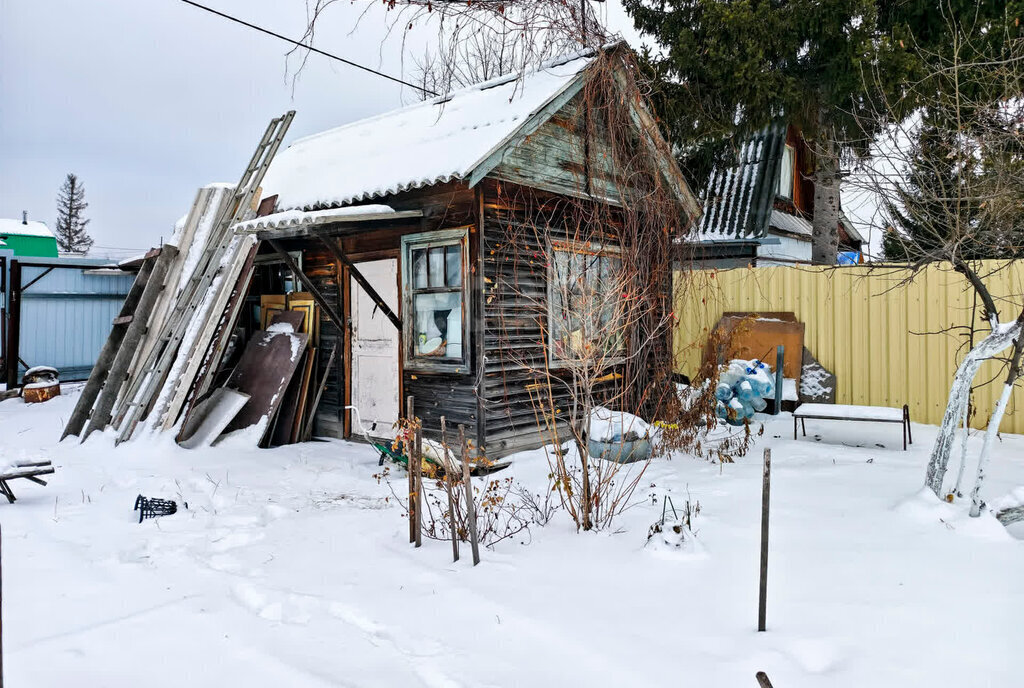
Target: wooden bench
866	414
28	471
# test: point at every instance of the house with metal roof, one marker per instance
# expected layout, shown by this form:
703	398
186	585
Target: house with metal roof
759	212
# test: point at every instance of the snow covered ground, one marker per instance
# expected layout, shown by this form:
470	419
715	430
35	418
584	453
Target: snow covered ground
290	568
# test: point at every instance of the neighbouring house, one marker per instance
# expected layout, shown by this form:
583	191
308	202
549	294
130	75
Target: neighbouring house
431	248
759	212
27	238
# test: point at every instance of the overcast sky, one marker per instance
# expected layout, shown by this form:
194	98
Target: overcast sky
148	100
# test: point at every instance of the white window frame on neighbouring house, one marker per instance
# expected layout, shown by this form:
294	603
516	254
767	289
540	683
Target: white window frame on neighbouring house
787	172
597	259
432	284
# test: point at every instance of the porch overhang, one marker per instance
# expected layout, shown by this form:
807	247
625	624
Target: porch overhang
292	224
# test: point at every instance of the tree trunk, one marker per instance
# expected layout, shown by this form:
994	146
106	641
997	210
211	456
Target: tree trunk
959	394
964	432
825	223
993	426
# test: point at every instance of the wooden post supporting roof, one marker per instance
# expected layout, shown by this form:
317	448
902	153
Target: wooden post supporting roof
309	285
334	247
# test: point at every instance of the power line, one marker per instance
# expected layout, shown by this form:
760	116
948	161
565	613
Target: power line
350	63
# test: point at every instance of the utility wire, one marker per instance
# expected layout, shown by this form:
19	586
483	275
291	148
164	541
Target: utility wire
350	63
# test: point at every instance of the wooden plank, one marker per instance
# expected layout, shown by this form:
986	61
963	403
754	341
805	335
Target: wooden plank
214	313
449	480
281	433
303	400
307	431
101	413
309	285
109	351
222	335
470	504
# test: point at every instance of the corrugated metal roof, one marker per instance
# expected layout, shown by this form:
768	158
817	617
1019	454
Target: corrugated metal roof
435	141
792	224
738	200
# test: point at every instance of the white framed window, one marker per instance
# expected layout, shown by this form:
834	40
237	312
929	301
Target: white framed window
585	305
787	172
436	307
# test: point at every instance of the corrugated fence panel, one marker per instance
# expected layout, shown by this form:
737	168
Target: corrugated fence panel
66	317
888	340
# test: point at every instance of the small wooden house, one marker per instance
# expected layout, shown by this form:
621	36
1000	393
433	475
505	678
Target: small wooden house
395	225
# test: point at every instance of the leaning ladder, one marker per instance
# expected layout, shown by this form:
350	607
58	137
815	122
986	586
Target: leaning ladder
159	362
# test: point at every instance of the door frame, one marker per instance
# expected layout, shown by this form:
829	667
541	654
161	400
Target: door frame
346	289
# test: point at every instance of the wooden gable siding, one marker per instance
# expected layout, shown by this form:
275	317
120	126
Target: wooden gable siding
552	158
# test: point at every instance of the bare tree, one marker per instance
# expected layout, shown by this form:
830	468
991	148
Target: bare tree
972	112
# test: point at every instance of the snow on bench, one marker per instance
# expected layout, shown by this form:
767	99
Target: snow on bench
870	414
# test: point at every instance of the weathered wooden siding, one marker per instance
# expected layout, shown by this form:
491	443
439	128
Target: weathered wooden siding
552	158
518	225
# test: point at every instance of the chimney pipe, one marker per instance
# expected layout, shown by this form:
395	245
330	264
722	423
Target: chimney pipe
24	217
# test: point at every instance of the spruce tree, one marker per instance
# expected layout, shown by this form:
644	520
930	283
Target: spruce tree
728	68
70	229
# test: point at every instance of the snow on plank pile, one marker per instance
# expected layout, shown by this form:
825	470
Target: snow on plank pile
181	333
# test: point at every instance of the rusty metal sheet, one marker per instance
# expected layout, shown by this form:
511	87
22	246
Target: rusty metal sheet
264	371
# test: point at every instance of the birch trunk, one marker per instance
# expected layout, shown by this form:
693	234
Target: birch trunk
999	339
994	421
964	432
990	434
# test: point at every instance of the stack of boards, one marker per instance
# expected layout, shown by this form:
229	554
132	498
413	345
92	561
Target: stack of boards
176	323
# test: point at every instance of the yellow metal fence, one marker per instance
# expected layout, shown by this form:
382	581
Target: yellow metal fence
888	340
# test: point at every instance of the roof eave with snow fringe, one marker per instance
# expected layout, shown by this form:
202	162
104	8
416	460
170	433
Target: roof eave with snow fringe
458	137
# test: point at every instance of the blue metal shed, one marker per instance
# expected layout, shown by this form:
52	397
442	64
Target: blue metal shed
66	308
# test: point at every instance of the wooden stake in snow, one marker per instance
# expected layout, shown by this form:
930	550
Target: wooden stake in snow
765	492
449	478
416	468
470	504
762	680
410	450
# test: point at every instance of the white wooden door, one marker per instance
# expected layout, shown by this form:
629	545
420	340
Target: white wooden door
375	350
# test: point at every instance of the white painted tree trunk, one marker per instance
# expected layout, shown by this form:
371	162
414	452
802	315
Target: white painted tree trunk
964	432
1000	338
990	434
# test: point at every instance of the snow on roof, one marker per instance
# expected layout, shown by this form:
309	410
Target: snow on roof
789	223
293	218
30	228
431	142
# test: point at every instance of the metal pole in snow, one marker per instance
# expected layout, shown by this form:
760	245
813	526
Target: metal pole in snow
780	350
765	492
1	617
